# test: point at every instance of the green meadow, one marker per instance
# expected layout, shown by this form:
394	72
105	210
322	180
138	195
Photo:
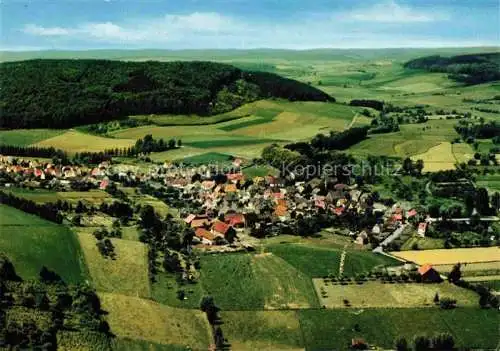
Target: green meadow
318	262
327	329
31	243
25	137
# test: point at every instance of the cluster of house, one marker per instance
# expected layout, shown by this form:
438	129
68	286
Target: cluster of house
225	203
35	174
211	231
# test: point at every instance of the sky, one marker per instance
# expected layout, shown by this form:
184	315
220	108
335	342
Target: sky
246	24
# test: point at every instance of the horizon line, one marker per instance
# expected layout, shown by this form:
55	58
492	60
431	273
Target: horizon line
257	49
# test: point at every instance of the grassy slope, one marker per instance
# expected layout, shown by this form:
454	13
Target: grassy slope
326	329
23	137
319	262
73	141
244	281
135	318
376	294
127	275
257	330
31	242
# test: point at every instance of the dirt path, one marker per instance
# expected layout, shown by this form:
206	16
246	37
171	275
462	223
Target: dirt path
353	120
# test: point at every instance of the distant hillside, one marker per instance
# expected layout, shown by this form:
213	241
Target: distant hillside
469	69
66	93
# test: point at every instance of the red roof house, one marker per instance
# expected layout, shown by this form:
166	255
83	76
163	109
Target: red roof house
205	236
429	274
220	228
235	219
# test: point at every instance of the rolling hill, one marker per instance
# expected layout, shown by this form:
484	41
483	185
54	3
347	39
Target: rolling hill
66	93
469	69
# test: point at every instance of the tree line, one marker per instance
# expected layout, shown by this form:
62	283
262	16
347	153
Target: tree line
48	211
469	69
35	93
32	151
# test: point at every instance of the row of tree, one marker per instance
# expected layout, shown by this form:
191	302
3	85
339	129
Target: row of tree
32	151
48	211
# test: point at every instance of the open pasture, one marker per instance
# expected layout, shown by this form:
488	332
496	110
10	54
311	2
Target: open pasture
451	256
376	294
73	141
333	329
94	196
262	281
437	158
318	262
136	318
490	182
262	330
25	137
127	274
472	269
31	243
39	195
411	140
262	123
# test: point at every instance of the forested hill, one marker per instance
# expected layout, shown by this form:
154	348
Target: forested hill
66	93
469	69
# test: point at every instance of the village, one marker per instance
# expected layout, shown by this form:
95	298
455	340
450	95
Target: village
221	208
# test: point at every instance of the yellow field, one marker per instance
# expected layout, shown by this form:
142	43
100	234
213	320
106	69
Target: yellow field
73	141
471	268
136	318
437	158
293	125
451	256
128	274
376	294
463	152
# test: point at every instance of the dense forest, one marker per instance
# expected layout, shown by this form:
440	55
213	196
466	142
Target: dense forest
468	69
67	93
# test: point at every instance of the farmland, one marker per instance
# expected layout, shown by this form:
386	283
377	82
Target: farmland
326	329
259	330
32	243
127	274
73	141
255	282
278	290
444	256
376	294
135	318
25	137
318	262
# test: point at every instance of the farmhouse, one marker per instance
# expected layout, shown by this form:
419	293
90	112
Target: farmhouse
205	236
429	274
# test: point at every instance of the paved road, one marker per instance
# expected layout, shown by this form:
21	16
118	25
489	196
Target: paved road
484	219
390	238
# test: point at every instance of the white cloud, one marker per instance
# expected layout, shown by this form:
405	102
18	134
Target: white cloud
391	12
154	30
110	32
33	29
199	21
213	30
